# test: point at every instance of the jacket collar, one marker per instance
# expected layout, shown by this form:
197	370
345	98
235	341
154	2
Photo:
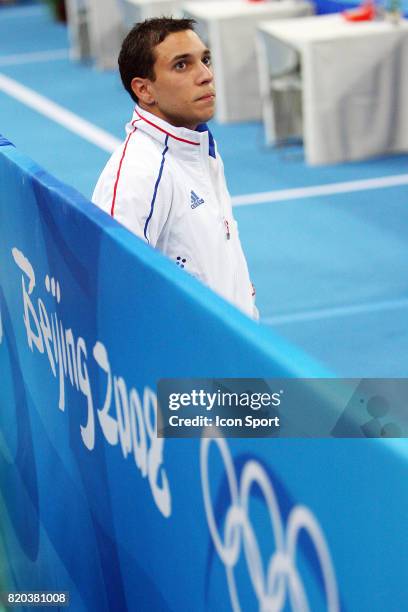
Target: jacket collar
179	138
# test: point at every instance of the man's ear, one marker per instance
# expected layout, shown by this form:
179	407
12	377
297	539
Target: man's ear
142	90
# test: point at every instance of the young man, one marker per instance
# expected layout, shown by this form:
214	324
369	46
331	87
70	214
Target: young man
166	182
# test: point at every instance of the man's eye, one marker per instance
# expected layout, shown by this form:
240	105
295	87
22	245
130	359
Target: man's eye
207	60
180	65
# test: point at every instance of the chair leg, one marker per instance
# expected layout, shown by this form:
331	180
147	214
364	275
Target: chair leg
287	114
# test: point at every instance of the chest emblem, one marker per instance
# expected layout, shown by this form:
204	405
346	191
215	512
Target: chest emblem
195	200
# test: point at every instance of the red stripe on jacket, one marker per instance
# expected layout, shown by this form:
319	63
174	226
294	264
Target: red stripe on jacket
164	131
120	166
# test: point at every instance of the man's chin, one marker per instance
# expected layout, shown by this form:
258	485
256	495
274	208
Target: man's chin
206	116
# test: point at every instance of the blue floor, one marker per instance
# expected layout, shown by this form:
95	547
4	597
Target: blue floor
331	271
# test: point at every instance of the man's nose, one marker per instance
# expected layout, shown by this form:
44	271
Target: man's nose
205	74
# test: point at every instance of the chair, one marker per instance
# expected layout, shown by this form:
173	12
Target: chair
280	87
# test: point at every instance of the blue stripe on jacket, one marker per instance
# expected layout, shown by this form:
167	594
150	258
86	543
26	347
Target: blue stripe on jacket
155	189
203	127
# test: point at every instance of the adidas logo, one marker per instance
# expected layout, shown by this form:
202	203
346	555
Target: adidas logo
195	200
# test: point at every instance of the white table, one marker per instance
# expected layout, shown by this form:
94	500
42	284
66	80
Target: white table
98	27
139	10
355	85
78	31
102	23
229	28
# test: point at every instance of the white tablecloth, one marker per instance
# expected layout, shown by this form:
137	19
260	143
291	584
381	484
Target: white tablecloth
355	85
229	28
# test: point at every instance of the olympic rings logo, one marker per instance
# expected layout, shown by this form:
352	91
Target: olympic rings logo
282	575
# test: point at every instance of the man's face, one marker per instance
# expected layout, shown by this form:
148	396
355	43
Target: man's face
183	90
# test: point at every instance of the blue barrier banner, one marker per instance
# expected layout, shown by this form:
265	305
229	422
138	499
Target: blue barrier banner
95	504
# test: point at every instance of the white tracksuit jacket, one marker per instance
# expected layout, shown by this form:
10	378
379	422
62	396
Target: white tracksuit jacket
166	184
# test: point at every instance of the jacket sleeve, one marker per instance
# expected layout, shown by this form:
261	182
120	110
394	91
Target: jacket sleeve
137	193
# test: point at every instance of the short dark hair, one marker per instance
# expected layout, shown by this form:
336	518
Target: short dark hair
136	57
